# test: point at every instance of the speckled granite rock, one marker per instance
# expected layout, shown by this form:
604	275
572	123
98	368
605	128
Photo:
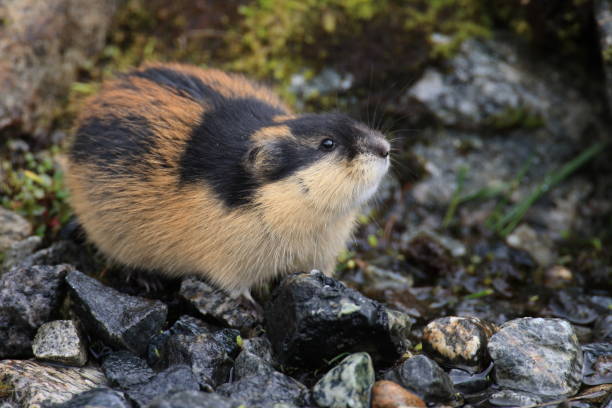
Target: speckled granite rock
347	385
59	341
312	318
539	356
123	369
265	390
174	379
28	298
194	399
120	320
33	383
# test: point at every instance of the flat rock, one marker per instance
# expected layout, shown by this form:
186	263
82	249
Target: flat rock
425	378
387	394
312	318
349	384
13	227
59	341
120	320
174	379
29	297
459	342
123	369
42	45
194	399
265	390
539	356
32	383
97	398
215	303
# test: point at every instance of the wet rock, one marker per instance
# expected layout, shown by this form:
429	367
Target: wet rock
29	297
603	328
32	383
459	342
493	83
311	318
123	369
174	379
59	341
513	398
120	320
387	394
468	383
207	357
603	15
265	390
194	399
425	378
215	303
97	398
539	356
13	227
42	45
573	306
597	367
19	251
348	384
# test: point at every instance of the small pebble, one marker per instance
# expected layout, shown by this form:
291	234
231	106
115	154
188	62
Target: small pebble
60	341
387	394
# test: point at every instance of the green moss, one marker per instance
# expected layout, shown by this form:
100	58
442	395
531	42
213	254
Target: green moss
515	117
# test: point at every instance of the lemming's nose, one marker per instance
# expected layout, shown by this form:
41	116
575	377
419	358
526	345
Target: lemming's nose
381	148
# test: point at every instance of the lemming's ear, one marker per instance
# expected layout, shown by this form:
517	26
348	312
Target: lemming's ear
262	159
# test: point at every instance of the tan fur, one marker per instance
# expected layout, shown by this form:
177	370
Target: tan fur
299	223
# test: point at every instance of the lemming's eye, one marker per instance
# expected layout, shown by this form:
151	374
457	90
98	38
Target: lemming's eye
328	144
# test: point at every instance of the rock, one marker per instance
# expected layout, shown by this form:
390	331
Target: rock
260	347
42	45
459	342
468	383
193	399
497	312
265	390
425	378
19	251
597	368
248	364
123	369
61	252
387	394
603	328
174	379
603	15
571	305
13	227
512	398
59	341
97	398
32	383
120	320
493	83
207	357
349	384
539	356
312	318
29	297
217	304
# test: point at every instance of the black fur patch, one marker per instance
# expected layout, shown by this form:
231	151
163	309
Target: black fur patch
113	143
217	147
182	84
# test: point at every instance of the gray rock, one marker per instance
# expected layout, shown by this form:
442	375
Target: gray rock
425	378
312	318
265	390
20	250
247	364
120	320
217	304
468	383
174	379
42	45
347	385
31	383
28	298
539	356
97	398
60	341
459	342
603	328
194	399
123	369
260	347
58	253
13	227
603	15
512	398
597	368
